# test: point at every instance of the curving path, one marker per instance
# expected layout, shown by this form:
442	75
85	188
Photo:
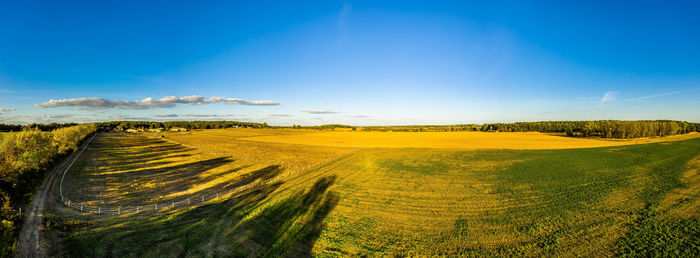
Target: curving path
30	244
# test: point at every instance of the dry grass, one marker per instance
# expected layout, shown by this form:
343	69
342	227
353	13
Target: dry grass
227	142
453	140
406	200
128	170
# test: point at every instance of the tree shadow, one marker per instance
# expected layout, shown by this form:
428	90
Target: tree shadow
292	226
288	227
179	234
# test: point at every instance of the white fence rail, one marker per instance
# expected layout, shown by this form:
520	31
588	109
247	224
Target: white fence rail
163	205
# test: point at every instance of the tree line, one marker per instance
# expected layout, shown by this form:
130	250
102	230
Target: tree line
123	125
602	128
24	158
42	127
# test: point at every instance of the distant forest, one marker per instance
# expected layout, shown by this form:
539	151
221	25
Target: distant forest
603	128
41	127
121	125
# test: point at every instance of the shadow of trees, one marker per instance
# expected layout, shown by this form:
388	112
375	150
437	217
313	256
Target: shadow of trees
287	227
148	174
291	226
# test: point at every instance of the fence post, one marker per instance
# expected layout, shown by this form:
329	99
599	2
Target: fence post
119	210
156	206
172	205
99	210
202	197
137	208
188	200
217	194
81	207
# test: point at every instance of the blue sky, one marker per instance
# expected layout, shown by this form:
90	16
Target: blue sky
350	62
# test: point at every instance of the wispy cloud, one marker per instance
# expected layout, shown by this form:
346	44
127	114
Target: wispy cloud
128	117
360	116
165	115
57	115
320	111
5	110
205	115
148	103
654	96
608	96
279	115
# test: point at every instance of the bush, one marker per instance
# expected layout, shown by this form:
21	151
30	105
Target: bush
24	156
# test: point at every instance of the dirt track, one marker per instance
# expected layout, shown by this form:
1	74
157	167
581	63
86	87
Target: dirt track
30	244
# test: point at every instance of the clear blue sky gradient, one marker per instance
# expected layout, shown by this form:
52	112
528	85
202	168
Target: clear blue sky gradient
370	62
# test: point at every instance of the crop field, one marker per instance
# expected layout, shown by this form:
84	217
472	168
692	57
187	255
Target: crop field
454	140
344	193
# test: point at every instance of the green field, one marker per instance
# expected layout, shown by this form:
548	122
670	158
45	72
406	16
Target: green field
636	199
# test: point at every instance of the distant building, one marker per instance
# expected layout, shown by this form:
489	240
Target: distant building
178	129
130	130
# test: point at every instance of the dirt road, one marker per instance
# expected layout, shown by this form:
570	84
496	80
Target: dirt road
30	244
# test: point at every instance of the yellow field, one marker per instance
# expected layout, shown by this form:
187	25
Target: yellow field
227	142
431	194
453	140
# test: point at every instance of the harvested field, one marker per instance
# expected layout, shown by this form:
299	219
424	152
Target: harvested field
454	140
383	201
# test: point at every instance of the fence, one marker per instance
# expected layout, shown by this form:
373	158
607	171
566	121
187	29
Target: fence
191	200
163	205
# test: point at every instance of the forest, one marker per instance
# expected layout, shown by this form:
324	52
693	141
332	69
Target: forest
25	156
602	128
122	125
42	127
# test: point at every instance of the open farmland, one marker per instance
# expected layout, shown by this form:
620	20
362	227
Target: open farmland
411	199
454	140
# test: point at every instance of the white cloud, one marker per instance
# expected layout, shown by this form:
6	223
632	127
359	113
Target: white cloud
5	110
205	115
128	117
320	111
147	103
165	115
57	115
654	96
608	96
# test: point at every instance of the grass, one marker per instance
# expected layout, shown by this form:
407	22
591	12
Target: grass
637	200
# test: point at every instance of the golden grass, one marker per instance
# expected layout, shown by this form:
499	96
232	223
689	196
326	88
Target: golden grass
684	202
404	200
129	170
227	142
453	140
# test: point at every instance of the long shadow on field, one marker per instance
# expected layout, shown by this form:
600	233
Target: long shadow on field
172	178
290	227
185	234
